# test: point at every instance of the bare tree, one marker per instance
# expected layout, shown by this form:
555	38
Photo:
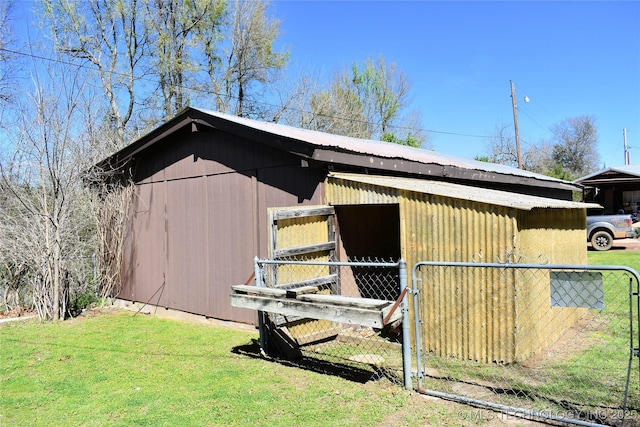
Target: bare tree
110	212
501	146
5	55
111	37
290	99
383	91
337	110
170	52
249	63
539	158
183	33
45	223
576	145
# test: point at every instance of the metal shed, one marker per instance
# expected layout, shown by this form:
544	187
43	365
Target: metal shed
205	182
440	221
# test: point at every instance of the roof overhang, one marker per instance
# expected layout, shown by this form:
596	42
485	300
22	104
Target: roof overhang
629	174
338	152
463	192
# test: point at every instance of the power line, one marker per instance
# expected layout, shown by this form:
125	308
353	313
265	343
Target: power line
526	113
92	67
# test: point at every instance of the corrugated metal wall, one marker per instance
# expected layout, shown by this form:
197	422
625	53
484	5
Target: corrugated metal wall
296	232
555	236
434	227
478	317
199	217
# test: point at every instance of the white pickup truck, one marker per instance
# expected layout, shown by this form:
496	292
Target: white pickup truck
602	229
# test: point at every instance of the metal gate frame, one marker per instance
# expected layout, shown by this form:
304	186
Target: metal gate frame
634	333
401	303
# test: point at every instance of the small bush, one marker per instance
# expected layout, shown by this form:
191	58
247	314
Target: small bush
82	301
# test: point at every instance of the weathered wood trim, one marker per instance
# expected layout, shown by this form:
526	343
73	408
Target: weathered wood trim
248	289
295	292
295	307
367	303
320	282
302	212
301	250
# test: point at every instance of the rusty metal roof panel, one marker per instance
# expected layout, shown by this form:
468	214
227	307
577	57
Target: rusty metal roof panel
341	151
462	192
376	148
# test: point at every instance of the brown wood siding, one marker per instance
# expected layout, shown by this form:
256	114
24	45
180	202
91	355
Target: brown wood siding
232	241
145	239
187	248
199	218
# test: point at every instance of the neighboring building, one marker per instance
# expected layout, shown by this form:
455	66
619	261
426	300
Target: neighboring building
206	185
614	188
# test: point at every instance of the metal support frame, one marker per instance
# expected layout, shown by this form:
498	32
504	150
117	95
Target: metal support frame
634	345
634	335
402	268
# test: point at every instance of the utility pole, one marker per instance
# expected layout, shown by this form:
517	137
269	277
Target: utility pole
514	103
627	159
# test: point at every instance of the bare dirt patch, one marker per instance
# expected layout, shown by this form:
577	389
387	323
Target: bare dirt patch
428	410
577	338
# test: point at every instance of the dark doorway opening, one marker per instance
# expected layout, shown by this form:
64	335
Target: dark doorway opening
371	233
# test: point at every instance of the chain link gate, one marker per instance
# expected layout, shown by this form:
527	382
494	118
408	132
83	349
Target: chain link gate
558	342
343	317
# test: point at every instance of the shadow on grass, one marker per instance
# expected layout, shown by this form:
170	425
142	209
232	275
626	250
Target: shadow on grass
314	364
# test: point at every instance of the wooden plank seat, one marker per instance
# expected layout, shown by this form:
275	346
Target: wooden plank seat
303	302
346	301
255	290
323	282
290	290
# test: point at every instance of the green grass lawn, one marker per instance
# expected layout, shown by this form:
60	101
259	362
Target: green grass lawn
615	257
114	368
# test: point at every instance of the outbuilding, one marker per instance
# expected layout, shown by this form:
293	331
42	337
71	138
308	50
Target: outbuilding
616	188
206	186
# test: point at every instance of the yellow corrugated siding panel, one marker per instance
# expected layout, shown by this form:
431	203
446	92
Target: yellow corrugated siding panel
293	232
564	243
438	229
559	234
344	192
479	314
301	231
471	316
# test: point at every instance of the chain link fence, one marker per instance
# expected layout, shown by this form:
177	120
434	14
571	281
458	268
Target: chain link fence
356	330
555	342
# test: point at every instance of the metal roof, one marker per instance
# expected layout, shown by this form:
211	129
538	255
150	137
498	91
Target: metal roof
463	192
338	150
378	148
602	175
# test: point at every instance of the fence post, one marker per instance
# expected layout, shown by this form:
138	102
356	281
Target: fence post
261	327
406	339
416	323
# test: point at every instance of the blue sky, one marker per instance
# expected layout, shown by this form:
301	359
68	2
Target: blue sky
569	58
